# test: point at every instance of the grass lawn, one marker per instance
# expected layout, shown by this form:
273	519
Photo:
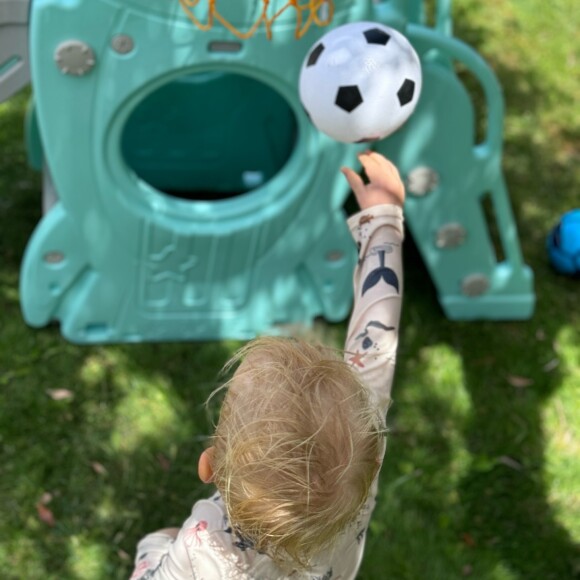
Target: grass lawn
98	445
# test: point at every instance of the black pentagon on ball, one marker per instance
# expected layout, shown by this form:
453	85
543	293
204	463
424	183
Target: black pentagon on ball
348	98
406	92
376	36
315	54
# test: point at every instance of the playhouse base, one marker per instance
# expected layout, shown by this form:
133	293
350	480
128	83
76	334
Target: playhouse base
489	307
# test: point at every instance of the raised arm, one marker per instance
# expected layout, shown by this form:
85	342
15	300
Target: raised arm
372	337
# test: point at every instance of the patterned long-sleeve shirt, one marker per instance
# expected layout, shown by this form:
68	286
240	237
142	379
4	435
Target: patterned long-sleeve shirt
207	548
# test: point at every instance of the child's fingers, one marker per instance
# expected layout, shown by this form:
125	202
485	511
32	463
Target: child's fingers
379	170
374	170
382	162
354	180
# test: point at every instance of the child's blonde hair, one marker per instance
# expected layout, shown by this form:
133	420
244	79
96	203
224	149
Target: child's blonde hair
296	449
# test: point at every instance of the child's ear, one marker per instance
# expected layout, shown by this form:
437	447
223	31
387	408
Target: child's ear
205	466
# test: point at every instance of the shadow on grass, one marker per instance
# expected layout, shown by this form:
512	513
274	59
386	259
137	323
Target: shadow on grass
464	486
118	454
463	490
507	510
490	517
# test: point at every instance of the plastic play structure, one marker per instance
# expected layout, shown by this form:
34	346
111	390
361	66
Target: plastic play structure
186	194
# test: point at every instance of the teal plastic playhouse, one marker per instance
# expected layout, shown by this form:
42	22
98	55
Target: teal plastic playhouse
188	197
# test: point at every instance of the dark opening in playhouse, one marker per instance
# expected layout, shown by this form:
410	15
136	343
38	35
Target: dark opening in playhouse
209	136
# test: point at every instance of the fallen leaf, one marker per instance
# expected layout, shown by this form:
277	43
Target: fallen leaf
509	462
519	382
45	515
99	468
468	539
163	462
551	365
123	555
60	394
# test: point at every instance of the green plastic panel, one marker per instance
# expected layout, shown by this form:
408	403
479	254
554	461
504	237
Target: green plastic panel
195	199
454	222
135	250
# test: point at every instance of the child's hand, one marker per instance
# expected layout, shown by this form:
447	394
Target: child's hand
385	184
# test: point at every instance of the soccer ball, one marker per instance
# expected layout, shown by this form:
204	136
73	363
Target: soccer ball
564	244
360	82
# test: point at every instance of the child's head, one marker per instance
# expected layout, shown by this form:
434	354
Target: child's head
296	449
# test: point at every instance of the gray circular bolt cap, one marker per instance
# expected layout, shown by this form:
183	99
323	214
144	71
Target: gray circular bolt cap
475	285
422	180
54	257
450	236
74	57
122	43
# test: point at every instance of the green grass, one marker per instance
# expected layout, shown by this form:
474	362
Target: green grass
482	478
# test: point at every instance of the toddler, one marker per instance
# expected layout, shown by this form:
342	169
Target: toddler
300	437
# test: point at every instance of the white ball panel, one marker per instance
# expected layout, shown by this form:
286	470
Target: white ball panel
377	70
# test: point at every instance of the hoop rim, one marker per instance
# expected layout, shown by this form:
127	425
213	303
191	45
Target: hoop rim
311	7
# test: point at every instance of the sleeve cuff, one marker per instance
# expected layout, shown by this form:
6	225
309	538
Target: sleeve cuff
389	214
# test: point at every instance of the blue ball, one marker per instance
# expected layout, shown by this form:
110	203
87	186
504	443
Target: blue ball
563	244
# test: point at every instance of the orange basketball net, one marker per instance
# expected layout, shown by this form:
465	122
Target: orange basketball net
307	13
